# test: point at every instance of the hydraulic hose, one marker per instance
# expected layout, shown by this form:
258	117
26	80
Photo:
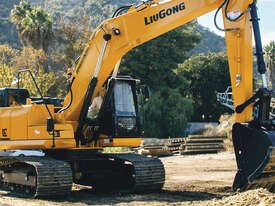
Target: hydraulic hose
120	10
70	89
71	99
226	3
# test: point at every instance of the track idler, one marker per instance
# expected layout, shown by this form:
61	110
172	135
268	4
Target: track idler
255	156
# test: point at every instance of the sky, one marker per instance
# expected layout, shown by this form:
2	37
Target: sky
266	13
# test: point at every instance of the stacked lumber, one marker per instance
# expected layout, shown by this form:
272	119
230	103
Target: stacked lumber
196	144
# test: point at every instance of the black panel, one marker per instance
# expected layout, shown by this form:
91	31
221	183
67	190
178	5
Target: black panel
20	96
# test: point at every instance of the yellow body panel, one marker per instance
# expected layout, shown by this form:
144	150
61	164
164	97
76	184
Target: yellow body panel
40	132
121	142
5	124
37	144
13	122
38	114
127	142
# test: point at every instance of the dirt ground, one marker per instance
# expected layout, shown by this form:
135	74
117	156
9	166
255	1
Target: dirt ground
190	180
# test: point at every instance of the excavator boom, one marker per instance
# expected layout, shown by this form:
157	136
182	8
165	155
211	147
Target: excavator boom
152	19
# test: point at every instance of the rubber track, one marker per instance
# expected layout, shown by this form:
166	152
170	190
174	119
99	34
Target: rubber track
149	173
53	177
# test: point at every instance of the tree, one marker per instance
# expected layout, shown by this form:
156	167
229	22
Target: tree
71	38
167	114
99	11
29	58
155	62
270	60
6	76
207	75
34	25
270	48
50	83
44	82
12	60
7	53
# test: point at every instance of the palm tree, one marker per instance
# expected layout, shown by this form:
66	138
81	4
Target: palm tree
34	26
17	15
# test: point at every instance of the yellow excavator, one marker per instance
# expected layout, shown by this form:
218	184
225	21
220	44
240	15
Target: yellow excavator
72	141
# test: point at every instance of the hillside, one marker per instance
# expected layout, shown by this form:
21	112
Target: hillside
210	42
96	11
8	33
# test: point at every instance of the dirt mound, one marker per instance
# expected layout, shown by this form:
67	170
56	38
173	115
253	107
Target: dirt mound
259	197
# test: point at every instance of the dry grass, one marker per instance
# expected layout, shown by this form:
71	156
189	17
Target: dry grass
223	129
116	149
225	126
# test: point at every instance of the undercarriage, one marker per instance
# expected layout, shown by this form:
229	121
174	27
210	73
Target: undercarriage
53	175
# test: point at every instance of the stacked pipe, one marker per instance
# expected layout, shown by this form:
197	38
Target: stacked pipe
196	144
174	145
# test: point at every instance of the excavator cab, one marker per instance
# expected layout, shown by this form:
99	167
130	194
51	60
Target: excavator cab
119	113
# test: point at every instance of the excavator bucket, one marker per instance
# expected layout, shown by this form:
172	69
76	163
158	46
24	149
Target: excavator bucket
255	156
